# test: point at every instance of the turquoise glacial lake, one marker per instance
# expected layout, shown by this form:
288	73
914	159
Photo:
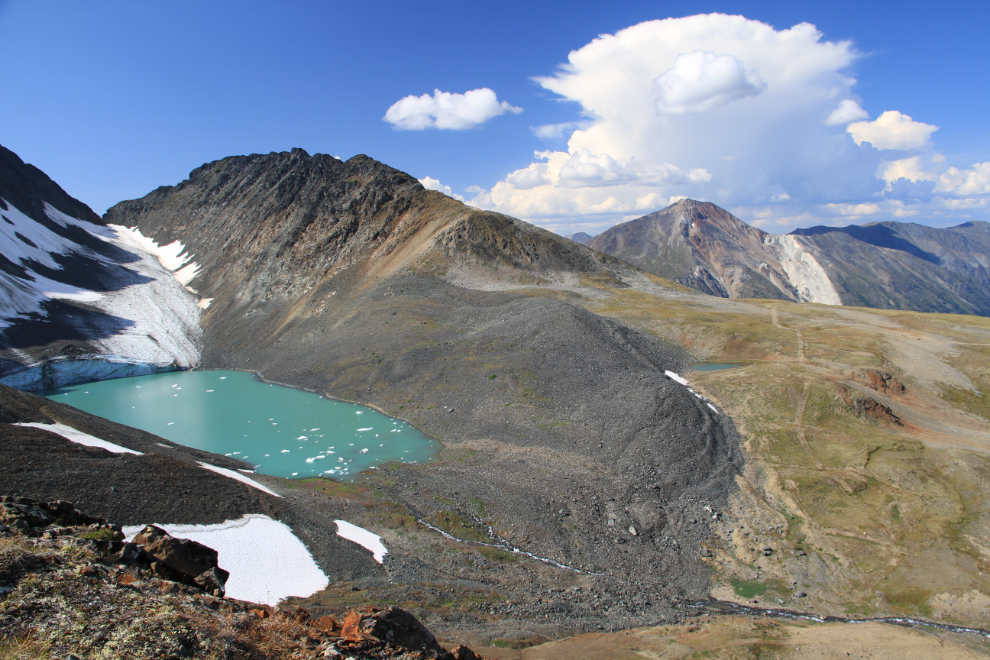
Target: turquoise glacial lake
282	431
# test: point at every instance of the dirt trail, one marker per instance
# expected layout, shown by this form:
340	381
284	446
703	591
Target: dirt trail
775	317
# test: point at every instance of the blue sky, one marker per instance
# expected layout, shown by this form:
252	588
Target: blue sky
113	99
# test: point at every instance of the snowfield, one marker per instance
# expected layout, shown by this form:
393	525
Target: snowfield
238	477
80	438
266	561
153	319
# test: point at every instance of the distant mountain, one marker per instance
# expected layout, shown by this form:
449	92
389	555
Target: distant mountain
963	250
73	289
889	266
581	238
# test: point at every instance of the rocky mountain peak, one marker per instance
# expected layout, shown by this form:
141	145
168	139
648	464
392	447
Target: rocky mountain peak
28	189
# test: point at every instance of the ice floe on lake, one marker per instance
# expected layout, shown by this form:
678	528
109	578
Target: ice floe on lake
266	560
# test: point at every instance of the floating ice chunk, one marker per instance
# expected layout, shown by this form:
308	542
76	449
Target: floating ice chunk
80	438
223	378
673	376
366	429
210	390
364	451
285	451
313	430
302	437
359	412
363	538
238	476
314	459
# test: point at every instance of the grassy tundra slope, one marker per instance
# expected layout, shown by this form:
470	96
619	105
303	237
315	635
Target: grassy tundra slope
865	441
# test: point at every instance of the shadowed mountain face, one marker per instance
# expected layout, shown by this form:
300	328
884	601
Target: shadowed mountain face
963	251
888	265
28	188
350	279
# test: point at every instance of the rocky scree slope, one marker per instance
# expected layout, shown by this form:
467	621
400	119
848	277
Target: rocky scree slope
561	429
78	300
889	266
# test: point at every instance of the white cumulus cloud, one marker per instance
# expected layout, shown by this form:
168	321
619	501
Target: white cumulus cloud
713	107
702	80
892	130
974	181
430	183
445	110
848	111
912	169
765	122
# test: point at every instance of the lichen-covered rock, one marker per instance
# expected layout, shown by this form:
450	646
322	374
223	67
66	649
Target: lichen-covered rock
190	559
73	597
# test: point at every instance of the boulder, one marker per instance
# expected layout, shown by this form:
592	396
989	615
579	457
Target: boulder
30	511
193	560
394	626
41	514
464	653
212	580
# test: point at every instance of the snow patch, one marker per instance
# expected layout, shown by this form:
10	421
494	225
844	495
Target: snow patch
266	560
238	476
364	538
173	257
80	438
671	375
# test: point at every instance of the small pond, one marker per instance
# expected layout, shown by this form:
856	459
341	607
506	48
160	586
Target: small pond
717	366
284	432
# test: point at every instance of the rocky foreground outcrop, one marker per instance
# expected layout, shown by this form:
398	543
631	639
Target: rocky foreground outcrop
72	587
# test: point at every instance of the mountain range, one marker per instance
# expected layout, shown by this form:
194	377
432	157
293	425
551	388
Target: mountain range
887	265
554	375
